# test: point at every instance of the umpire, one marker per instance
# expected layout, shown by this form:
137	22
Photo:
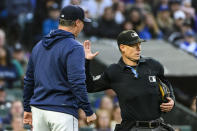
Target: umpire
135	81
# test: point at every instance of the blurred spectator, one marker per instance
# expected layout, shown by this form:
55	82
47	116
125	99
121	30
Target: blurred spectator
179	18
103	121
90	29
75	2
17	124
117	1
116	117
127	25
1	125
151	29
188	9
3	14
2	38
16	111
96	7
195	23
13	34
119	9
189	44
8	70
110	94
187	26
4	104
51	23
106	104
82	119
164	2
164	20
143	6
137	19
177	129
19	11
2	96
20	62
159	5
72	2
193	105
179	36
107	27
2	83
175	5
128	1
19	56
40	14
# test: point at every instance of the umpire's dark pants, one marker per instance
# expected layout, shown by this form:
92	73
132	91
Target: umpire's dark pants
148	129
130	126
134	128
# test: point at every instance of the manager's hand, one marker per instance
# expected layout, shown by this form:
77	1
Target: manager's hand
27	119
87	48
91	119
166	107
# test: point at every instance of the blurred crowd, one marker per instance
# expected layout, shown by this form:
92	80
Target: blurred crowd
24	22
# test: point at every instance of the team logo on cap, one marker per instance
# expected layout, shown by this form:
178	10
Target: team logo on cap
134	34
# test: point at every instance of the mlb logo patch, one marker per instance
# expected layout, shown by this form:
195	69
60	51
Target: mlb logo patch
152	78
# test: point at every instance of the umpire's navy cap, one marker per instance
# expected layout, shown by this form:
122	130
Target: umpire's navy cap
73	12
129	37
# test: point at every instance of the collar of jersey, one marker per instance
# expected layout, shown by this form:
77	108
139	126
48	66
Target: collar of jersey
123	65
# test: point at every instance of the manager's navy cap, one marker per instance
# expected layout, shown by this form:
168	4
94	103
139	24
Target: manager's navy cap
73	12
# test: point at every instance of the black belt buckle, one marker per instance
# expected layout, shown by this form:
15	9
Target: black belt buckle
150	124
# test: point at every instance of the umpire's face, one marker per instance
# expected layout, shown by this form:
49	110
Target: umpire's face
131	52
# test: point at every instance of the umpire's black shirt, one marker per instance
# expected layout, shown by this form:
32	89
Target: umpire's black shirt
139	98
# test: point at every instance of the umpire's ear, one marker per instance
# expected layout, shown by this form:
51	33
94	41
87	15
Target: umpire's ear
122	48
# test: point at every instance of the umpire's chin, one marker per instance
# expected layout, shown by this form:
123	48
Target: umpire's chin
137	57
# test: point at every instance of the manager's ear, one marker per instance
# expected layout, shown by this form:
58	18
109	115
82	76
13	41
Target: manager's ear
77	23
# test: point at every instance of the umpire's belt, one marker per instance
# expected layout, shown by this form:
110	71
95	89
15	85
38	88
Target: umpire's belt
147	124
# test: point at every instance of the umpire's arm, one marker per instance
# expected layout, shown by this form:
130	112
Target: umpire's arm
98	83
163	79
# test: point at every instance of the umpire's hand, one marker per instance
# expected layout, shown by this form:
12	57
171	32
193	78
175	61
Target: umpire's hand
166	107
91	119
88	52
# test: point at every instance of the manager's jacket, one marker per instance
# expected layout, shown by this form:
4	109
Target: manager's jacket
55	77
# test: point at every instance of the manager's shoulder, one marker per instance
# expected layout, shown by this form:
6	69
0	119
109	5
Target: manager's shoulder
73	42
70	44
37	45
